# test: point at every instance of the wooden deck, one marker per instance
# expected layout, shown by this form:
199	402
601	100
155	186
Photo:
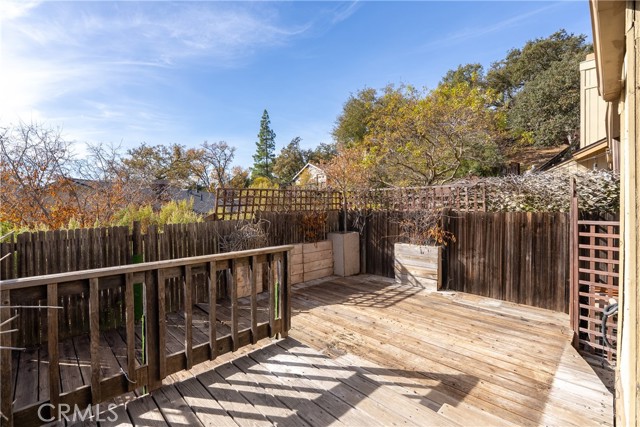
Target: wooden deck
365	351
31	366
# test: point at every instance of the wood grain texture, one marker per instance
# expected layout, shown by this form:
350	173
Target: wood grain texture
513	256
94	312
6	385
458	348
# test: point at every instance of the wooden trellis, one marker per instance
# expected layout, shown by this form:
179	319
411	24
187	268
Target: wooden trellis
244	203
595	263
461	198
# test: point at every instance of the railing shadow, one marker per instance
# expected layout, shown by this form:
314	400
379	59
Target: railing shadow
380	292
289	384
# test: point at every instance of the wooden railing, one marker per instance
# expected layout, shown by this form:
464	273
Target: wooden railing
147	372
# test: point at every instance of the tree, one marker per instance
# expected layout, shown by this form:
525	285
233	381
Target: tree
263	182
426	138
470	73
35	165
43	185
265	147
175	163
104	186
216	160
538	88
322	153
547	110
291	159
347	173
239	177
353	123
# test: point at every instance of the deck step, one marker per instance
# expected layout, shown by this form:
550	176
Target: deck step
465	414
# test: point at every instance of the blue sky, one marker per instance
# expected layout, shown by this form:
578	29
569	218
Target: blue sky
185	72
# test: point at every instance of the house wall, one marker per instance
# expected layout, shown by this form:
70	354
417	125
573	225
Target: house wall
570	166
593	109
311	175
628	369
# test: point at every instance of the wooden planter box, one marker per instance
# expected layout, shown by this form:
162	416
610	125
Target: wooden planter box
418	265
311	261
346	253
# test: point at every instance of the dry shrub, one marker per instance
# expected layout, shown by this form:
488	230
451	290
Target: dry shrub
424	227
314	226
245	236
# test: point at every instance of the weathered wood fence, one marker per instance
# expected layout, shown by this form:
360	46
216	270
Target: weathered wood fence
61	251
156	364
522	257
380	231
513	256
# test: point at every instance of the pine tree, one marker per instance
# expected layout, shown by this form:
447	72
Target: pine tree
265	148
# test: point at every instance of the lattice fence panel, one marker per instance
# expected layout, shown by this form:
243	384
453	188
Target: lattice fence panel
598	274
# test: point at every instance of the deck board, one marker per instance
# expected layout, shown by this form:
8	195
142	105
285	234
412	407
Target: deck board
362	351
305	408
503	381
175	410
362	312
27	371
267	404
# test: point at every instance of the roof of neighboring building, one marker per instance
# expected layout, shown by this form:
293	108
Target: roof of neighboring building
569	154
203	201
532	156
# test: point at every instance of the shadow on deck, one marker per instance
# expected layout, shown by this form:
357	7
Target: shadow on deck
366	351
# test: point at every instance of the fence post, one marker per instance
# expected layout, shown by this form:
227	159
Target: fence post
574	286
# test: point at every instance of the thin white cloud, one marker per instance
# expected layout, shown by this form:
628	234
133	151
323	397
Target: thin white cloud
474	33
343	12
73	63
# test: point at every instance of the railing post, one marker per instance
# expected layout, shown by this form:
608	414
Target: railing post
152	350
286	289
52	343
213	294
130	330
574	263
272	295
253	277
6	392
234	304
188	316
280	274
94	334
162	325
